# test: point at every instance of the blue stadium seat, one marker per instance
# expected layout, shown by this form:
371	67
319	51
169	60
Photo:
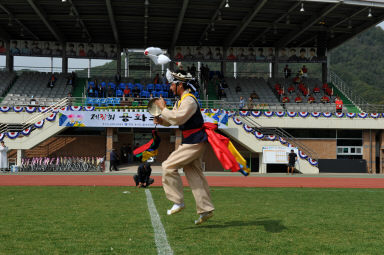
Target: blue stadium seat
158	87
144	94
122	85
119	93
103	84
138	85
166	87
156	94
150	87
113	85
91	83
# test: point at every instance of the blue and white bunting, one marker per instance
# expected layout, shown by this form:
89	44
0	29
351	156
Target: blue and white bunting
5	108
302	155
271	137
39	124
259	135
65	108
244	113
231	113
339	114
237	121
30	109
312	162
256	113
282	140
51	117
362	115
292	114
280	114
204	110
268	114
75	108
374	115
12	135
43	109
26	131
247	128
89	108
2	135
215	110
303	114
327	114
18	108
351	115
315	114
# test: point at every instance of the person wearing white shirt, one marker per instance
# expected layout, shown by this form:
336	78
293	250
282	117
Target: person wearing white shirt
3	156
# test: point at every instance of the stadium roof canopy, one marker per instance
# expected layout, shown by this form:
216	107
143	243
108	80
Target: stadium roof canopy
166	23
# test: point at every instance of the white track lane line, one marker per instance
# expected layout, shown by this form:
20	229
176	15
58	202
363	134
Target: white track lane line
161	241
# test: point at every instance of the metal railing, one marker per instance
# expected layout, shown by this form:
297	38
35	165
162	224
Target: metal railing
6	127
251	122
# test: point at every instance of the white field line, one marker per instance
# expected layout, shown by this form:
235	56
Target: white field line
161	241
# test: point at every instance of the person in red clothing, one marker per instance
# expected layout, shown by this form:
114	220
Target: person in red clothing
325	99
316	89
285	99
296	80
277	86
298	99
304	70
126	91
311	99
280	92
305	91
339	105
325	86
291	89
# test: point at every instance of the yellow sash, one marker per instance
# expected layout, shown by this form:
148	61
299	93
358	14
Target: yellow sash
184	96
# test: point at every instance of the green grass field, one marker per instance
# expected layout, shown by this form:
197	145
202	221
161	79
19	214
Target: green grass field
104	220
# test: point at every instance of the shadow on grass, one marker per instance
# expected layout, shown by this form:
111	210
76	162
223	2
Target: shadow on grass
273	226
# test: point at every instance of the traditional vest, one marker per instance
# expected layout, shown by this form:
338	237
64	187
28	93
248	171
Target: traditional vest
192	130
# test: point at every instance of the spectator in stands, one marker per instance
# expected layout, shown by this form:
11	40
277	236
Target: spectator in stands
250	104
126	91
150	96
312	55
298	99
339	105
260	55
283	54
238	88
47	51
102	53
114	159
163	79
291	89
135	91
100	91
71	51
52	81
305	91
33	101
271	54
25	51
254	95
324	99
231	56
91	53
251	54
287	72
218	55
91	91
82	52
156	80
69	96
14	49
111	91
285	99
36	51
188	55
325	86
292	56
316	89
57	51
3	157
117	77
311	99
304	71
241	103
193	70
142	178
241	55
2	46
112	53
296	80
303	55
178	55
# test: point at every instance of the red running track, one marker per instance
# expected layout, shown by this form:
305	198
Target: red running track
219	181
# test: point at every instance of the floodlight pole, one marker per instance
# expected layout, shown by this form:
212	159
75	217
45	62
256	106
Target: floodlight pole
126	65
89	68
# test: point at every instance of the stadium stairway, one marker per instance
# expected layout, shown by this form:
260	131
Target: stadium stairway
349	104
253	144
79	87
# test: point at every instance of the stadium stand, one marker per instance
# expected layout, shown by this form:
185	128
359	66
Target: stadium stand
35	84
6	79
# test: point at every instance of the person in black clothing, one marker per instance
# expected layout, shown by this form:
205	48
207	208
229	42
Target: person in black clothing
292	157
142	178
114	160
